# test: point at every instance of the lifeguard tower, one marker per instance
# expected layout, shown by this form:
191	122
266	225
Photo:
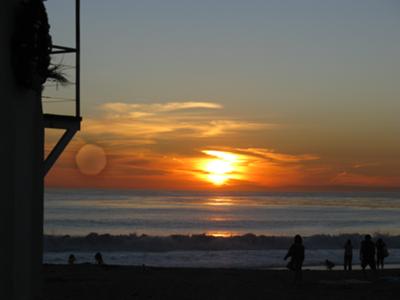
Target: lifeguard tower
70	123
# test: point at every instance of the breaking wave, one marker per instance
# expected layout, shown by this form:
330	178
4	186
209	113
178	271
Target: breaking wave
202	242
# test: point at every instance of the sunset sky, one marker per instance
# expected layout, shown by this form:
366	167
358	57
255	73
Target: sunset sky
232	95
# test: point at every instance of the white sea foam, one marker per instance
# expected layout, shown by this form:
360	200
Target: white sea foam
257	259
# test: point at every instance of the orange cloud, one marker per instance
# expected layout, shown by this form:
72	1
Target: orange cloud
275	156
145	123
123	108
178	145
356	179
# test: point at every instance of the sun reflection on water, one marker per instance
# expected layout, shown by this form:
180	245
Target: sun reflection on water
219	202
221	233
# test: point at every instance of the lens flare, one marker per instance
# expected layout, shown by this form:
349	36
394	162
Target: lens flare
91	159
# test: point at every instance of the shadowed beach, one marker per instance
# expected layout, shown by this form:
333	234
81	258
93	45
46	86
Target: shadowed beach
88	281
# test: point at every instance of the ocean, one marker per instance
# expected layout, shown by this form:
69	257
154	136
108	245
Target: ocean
185	229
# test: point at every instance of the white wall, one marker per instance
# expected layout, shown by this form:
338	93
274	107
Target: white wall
21	161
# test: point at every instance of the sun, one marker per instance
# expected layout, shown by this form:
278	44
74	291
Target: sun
218	170
221	168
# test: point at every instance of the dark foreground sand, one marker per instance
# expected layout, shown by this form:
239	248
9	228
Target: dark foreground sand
115	282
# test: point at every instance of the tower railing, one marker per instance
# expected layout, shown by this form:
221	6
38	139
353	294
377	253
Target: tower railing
70	123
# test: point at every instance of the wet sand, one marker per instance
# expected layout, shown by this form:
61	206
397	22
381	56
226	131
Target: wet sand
117	282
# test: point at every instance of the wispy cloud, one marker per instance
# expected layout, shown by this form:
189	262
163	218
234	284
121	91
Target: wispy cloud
151	145
149	121
356	179
146	109
144	140
273	155
365	165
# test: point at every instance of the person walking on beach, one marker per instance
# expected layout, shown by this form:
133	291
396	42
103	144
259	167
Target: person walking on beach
367	254
381	253
71	259
296	253
348	256
99	258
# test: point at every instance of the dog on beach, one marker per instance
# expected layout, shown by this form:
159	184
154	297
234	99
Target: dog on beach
329	265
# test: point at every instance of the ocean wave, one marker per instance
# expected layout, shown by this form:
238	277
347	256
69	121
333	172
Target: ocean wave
202	242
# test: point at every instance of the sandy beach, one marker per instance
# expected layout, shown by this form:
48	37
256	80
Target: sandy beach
88	281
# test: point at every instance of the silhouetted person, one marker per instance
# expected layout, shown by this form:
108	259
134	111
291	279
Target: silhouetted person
348	255
329	265
71	259
381	253
367	254
296	253
99	258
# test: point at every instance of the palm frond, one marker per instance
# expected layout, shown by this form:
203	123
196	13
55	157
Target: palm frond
57	74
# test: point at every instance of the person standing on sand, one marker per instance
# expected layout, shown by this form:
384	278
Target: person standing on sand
367	254
99	258
348	255
296	253
71	259
381	252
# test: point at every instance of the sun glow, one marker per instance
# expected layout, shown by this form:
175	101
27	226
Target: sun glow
223	234
221	168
